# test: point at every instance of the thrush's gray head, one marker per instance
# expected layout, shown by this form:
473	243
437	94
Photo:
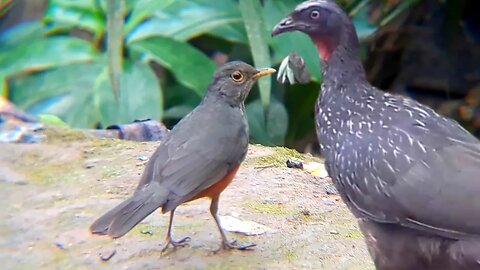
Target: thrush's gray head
326	24
234	80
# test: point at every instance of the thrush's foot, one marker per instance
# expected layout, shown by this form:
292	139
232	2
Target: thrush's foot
233	245
180	243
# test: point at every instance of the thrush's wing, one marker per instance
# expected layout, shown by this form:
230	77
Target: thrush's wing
420	174
197	153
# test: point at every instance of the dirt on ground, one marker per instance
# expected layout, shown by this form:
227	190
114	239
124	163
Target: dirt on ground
51	192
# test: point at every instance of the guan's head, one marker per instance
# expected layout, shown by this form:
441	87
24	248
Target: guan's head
324	21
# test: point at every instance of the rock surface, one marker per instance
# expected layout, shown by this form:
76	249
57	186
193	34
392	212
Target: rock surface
73	178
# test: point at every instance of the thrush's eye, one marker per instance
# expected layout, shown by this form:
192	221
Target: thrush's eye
237	76
315	14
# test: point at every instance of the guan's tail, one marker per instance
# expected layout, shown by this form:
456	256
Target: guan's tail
129	213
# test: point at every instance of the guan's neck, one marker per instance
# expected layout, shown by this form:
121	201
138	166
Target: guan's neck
341	62
343	65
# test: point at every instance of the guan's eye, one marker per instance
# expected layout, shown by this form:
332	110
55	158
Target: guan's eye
315	14
237	76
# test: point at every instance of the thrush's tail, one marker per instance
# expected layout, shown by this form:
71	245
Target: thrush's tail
126	215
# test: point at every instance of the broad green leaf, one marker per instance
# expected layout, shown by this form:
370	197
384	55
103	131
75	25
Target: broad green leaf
65	92
3	86
282	45
184	19
234	32
257	35
41	54
62	18
140	96
104	99
90	5
276	129
178	29
142	9
114	43
81	94
190	67
129	5
21	33
52	120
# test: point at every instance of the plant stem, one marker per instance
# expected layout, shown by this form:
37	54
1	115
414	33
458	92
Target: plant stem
114	43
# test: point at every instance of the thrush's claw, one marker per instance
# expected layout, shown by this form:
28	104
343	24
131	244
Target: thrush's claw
180	243
233	245
183	242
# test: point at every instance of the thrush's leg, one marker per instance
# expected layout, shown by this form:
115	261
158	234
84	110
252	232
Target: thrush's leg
169	241
225	243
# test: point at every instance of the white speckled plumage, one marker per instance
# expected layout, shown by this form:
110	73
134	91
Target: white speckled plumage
410	175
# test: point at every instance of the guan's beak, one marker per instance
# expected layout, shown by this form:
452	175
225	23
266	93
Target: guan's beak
263	72
285	25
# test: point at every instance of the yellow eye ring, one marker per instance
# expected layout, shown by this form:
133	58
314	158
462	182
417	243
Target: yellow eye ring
237	76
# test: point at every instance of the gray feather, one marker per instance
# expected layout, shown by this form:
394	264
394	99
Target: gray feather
411	166
129	213
197	153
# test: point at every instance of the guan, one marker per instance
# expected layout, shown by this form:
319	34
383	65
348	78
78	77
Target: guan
409	175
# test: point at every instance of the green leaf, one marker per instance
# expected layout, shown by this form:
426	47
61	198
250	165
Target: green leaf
183	20
142	9
3	86
282	45
62	18
22	32
65	92
52	120
140	96
89	5
81	94
275	130
42	54
234	32
114	43
257	36
189	66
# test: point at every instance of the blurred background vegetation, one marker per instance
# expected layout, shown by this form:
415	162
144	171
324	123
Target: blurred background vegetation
94	63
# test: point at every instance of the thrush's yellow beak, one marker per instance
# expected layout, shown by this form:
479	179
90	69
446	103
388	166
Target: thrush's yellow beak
263	72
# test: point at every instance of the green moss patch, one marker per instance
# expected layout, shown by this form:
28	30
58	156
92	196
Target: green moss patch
41	171
280	157
268	208
61	134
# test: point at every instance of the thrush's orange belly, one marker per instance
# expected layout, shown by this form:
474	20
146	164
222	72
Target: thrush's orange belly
217	188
